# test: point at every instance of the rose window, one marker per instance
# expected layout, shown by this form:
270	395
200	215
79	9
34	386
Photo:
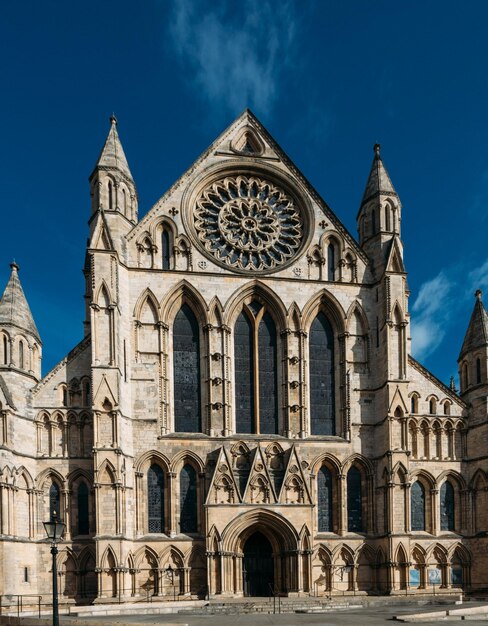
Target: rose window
248	223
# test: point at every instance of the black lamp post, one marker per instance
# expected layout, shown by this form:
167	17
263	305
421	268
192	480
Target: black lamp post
54	531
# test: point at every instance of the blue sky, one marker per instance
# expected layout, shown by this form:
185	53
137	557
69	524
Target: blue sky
328	79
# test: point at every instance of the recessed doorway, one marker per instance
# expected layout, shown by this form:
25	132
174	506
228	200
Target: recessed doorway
258	564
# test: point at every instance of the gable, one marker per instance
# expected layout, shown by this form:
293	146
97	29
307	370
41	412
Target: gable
245	208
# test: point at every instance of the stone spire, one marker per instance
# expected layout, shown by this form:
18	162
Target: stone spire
14	308
379	181
477	333
112	155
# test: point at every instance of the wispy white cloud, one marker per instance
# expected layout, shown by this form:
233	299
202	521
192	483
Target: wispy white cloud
238	51
478	278
430	315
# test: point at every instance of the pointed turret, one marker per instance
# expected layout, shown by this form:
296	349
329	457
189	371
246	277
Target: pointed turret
476	336
20	345
112	186
112	155
379	215
473	358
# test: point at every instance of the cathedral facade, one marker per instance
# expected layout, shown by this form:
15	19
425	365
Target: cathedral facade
243	415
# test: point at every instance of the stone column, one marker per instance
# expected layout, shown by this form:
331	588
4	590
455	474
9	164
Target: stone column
342	501
435	512
407	507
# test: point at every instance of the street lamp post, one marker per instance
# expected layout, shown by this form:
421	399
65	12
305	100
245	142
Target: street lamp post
54	531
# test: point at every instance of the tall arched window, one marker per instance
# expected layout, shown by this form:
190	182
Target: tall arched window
331	262
322	383
414	404
387	217
478	371
432	406
110	196
21	355
256	371
188	500
447	506
186	372
373	222
54	502
155	499
165	248
417	506
354	501
464	378
5	350
83	512
325	500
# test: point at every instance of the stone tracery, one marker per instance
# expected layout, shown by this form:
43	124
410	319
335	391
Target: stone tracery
248	223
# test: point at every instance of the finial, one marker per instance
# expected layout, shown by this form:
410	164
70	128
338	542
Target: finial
14	266
113	119
377	148
478	293
452	385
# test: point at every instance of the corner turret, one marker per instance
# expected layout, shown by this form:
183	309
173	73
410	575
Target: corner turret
379	218
112	187
473	358
20	343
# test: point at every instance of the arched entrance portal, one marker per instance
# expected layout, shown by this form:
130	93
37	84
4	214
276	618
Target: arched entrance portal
258	566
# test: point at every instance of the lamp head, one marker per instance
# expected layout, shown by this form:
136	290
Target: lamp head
54	528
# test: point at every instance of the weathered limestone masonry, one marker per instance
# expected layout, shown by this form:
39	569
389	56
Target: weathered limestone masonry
243	413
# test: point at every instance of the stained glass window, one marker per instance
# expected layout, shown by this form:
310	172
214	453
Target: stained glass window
188	500
248	387
165	249
83	515
324	489
244	374
322	397
354	501
155	499
268	383
54	502
447	506
417	506
330	262
186	365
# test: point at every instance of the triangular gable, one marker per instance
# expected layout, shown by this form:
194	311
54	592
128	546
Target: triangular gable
294	489
225	145
104	392
223	487
435	381
101	238
398	400
5	396
259	488
394	261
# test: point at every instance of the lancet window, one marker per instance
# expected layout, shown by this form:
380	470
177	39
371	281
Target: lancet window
83	511
354	501
155	499
54	501
166	249
417	505
325	500
256	371
186	370
188	499
322	396
447	506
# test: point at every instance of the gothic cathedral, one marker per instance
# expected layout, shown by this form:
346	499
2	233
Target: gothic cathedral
243	413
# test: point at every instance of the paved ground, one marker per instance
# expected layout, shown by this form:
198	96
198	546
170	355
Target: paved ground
376	616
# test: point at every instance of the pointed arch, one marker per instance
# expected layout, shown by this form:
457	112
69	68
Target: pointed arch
146	298
216	312
184	293
255	290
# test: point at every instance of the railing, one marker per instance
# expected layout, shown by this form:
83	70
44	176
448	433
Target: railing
275	595
17	603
